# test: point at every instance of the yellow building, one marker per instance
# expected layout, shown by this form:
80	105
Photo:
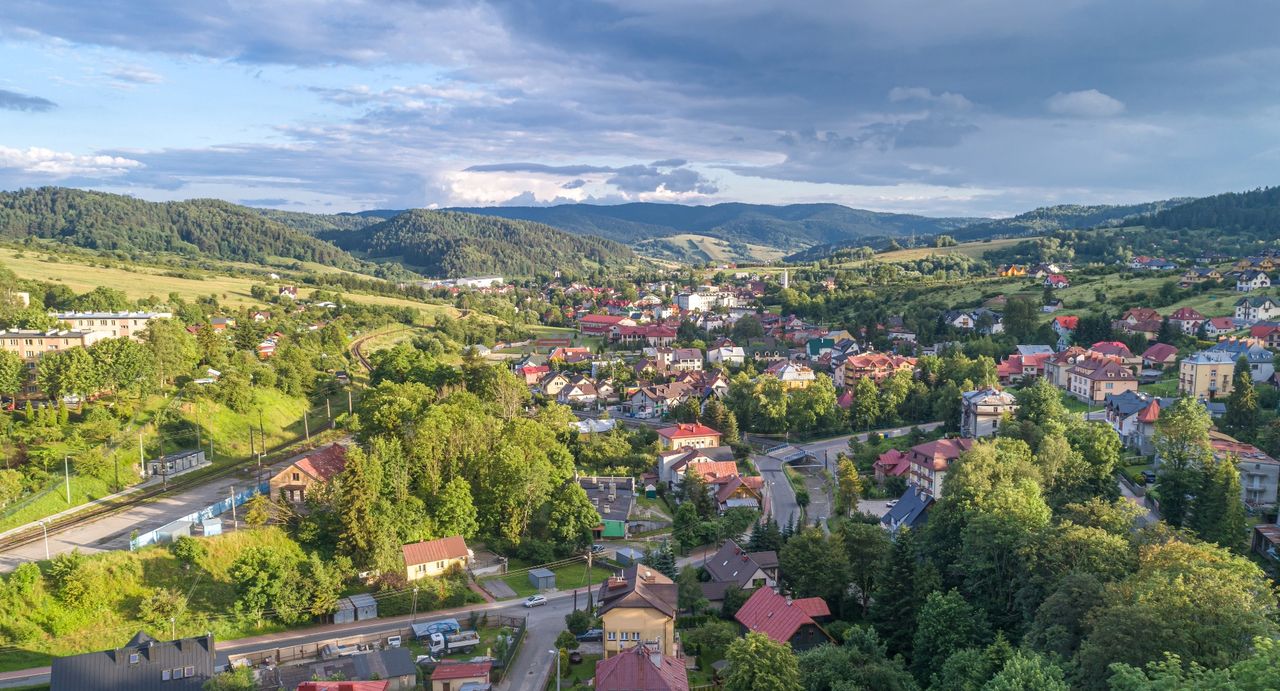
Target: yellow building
1013	270
1206	374
638	607
691	435
433	558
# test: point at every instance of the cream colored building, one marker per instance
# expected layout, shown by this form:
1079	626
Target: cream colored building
638	607
113	324
1206	374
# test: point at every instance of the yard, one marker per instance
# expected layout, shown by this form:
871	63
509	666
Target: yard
575	675
568	577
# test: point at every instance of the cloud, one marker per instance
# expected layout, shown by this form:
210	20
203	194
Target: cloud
266	201
57	164
899	94
537	168
667	175
574	184
11	100
1090	103
134	74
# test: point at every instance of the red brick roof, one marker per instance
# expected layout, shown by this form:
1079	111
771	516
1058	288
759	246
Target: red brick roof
461	670
639	667
609	319
686	430
344	685
939	454
1151	413
325	463
452	547
1160	352
813	606
710	470
771	614
1067	322
1186	314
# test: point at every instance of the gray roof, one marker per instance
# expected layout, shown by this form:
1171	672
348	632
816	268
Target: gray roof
1236	348
140	664
733	564
910	511
542	573
1130	402
1035	349
386	664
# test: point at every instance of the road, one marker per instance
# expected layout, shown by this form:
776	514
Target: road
825	450
779	495
111	532
529	670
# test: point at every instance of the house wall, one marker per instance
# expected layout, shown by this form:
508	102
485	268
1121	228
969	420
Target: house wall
436	568
650	624
1205	380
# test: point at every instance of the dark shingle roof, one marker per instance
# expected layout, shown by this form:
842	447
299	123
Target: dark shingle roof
139	665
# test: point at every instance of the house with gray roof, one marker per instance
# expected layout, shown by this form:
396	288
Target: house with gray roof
142	664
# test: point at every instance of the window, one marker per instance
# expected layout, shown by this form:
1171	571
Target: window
133	658
296	477
190	671
612	636
166	674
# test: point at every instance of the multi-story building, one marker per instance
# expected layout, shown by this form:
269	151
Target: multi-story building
638	607
31	345
1206	374
931	461
1256	308
113	324
1092	379
982	410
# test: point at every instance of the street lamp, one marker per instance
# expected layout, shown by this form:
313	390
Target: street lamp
45	529
556	653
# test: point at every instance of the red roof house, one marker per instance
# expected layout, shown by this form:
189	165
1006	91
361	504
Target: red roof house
692	434
462	672
345	685
781	619
1159	355
892	463
642	668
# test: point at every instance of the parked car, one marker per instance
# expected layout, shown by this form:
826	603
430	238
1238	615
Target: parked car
591	635
575	657
1149	476
597	548
535	600
393	641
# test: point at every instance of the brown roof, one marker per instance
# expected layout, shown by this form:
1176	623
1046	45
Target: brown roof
640	668
461	670
773	615
452	547
325	463
939	454
639	587
1109	370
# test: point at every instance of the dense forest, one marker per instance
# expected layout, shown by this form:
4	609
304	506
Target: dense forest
319	223
1255	213
446	243
791	226
113	222
1063	217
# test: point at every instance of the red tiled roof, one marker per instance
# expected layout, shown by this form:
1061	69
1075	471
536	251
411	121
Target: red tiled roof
685	430
939	454
608	319
771	614
344	685
1067	322
325	463
893	462
452	547
1160	352
1186	314
1223	323
710	470
1151	413
639	667
1111	348
461	670
813	606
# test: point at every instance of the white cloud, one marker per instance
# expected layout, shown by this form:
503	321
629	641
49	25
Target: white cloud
1090	103
899	94
58	164
135	74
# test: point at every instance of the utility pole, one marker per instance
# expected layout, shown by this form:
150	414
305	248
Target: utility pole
328	412
348	401
45	528
173	628
142	458
66	470
414	617
233	504
306	428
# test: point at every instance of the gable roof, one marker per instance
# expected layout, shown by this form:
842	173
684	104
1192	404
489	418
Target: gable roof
813	606
775	616
443	549
324	464
1186	314
733	564
118	668
639	668
686	430
1160	352
639	587
460	670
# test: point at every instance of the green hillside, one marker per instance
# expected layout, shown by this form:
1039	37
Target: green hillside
112	222
1049	219
449	243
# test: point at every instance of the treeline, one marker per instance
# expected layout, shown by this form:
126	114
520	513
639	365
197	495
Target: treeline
110	222
1048	219
446	243
1253	212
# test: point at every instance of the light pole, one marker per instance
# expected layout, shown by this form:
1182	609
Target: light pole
66	471
414	617
556	653
45	529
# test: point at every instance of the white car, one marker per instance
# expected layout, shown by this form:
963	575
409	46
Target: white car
535	600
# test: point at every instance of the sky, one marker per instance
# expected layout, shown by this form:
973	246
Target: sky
955	107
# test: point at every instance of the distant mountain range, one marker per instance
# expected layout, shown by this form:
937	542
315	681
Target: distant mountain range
1048	219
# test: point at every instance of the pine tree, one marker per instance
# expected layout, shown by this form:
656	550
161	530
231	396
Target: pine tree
1241	418
893	607
1217	513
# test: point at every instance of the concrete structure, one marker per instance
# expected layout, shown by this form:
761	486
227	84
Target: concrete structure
931	461
637	607
1259	472
982	410
692	435
1092	379
113	324
542	579
32	344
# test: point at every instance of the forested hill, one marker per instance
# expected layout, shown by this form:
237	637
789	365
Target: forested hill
1247	213
1049	219
790	227
452	244
113	222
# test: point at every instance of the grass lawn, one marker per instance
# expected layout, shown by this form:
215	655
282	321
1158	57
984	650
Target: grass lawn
656	505
1163	388
567	577
1074	404
575	675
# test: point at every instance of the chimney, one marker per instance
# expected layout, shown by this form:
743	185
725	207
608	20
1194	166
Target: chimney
788	600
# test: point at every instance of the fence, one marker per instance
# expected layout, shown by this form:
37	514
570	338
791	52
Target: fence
221	507
520	624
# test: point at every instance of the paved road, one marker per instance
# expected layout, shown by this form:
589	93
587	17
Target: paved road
779	495
827	449
112	532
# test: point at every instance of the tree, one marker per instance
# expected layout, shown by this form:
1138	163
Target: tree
161	605
187	550
689	591
897	595
172	347
770	409
1041	403
865	546
13	373
710	640
766	536
1217	514
237	679
815	565
866	404
860	663
945	624
68	372
1182	443
578	621
453	512
1257	672
1028	672
757	663
686	527
849	483
1241	418
258	512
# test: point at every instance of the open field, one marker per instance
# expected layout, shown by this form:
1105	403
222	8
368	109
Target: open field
968	249
719	251
145	281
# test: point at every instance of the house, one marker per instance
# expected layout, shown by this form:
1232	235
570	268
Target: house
735	491
1187	320
1118	351
394	666
733	566
317	467
1052	306
958	319
792	375
656	400
143	663
432	558
1261	360
1261	263
612	498
641	668
1056	281
578	393
1252	280
877	366
601	324
1133	415
672	464
783	620
931	461
1219	326
728	355
1159	356
31	345
461	676
1256	308
1092	378
1259	472
892	463
552	383
982	410
592	426
1012	271
288	291
1199	275
1042	270
1206	374
687	435
911	510
1266	332
638	606
1018	367
1057	366
114	324
1134	315
1065	326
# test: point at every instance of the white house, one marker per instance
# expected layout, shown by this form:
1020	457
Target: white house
1256	309
1252	280
728	355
